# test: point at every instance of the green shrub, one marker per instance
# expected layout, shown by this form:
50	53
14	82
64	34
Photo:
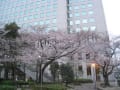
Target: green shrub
31	83
21	83
7	87
49	87
80	81
14	83
7	82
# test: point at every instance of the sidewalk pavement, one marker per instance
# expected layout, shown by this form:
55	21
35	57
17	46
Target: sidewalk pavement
111	88
91	87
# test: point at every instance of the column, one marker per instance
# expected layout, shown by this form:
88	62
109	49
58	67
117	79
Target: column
84	69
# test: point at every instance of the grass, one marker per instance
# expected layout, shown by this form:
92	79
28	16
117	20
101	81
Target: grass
49	87
11	85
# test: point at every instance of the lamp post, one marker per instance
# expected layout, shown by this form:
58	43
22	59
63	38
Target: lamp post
40	72
38	46
94	75
24	72
37	63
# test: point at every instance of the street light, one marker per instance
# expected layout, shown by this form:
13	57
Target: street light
39	56
40	72
94	75
37	45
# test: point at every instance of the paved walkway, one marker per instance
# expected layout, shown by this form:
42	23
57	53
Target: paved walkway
82	87
25	89
88	87
91	87
111	88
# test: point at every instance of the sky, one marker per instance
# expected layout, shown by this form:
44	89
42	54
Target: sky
112	15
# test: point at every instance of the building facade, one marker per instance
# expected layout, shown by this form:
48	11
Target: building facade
71	15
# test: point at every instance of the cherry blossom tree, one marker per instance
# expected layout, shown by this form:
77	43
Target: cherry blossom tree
44	48
103	52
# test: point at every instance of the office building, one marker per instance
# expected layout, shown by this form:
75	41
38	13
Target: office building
71	15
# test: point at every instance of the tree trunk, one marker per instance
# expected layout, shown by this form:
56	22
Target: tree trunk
0	72
37	72
54	78
24	72
106	80
13	70
40	77
6	73
13	73
40	74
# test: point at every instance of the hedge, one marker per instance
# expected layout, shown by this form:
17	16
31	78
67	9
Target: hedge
49	87
7	87
7	82
80	81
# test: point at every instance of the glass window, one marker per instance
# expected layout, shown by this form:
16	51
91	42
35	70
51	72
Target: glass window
91	20
88	56
48	1
24	25
84	21
37	9
25	18
41	22
92	28
76	7
83	6
70	15
71	30
77	29
48	14
48	29
54	21
77	22
90	5
48	6
84	13
54	13
47	21
70	8
85	28
55	28
42	0
36	16
35	23
54	6
77	14
31	17
71	22
42	15
90	12
42	7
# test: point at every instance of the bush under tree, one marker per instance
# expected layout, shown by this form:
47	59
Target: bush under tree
54	67
67	73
